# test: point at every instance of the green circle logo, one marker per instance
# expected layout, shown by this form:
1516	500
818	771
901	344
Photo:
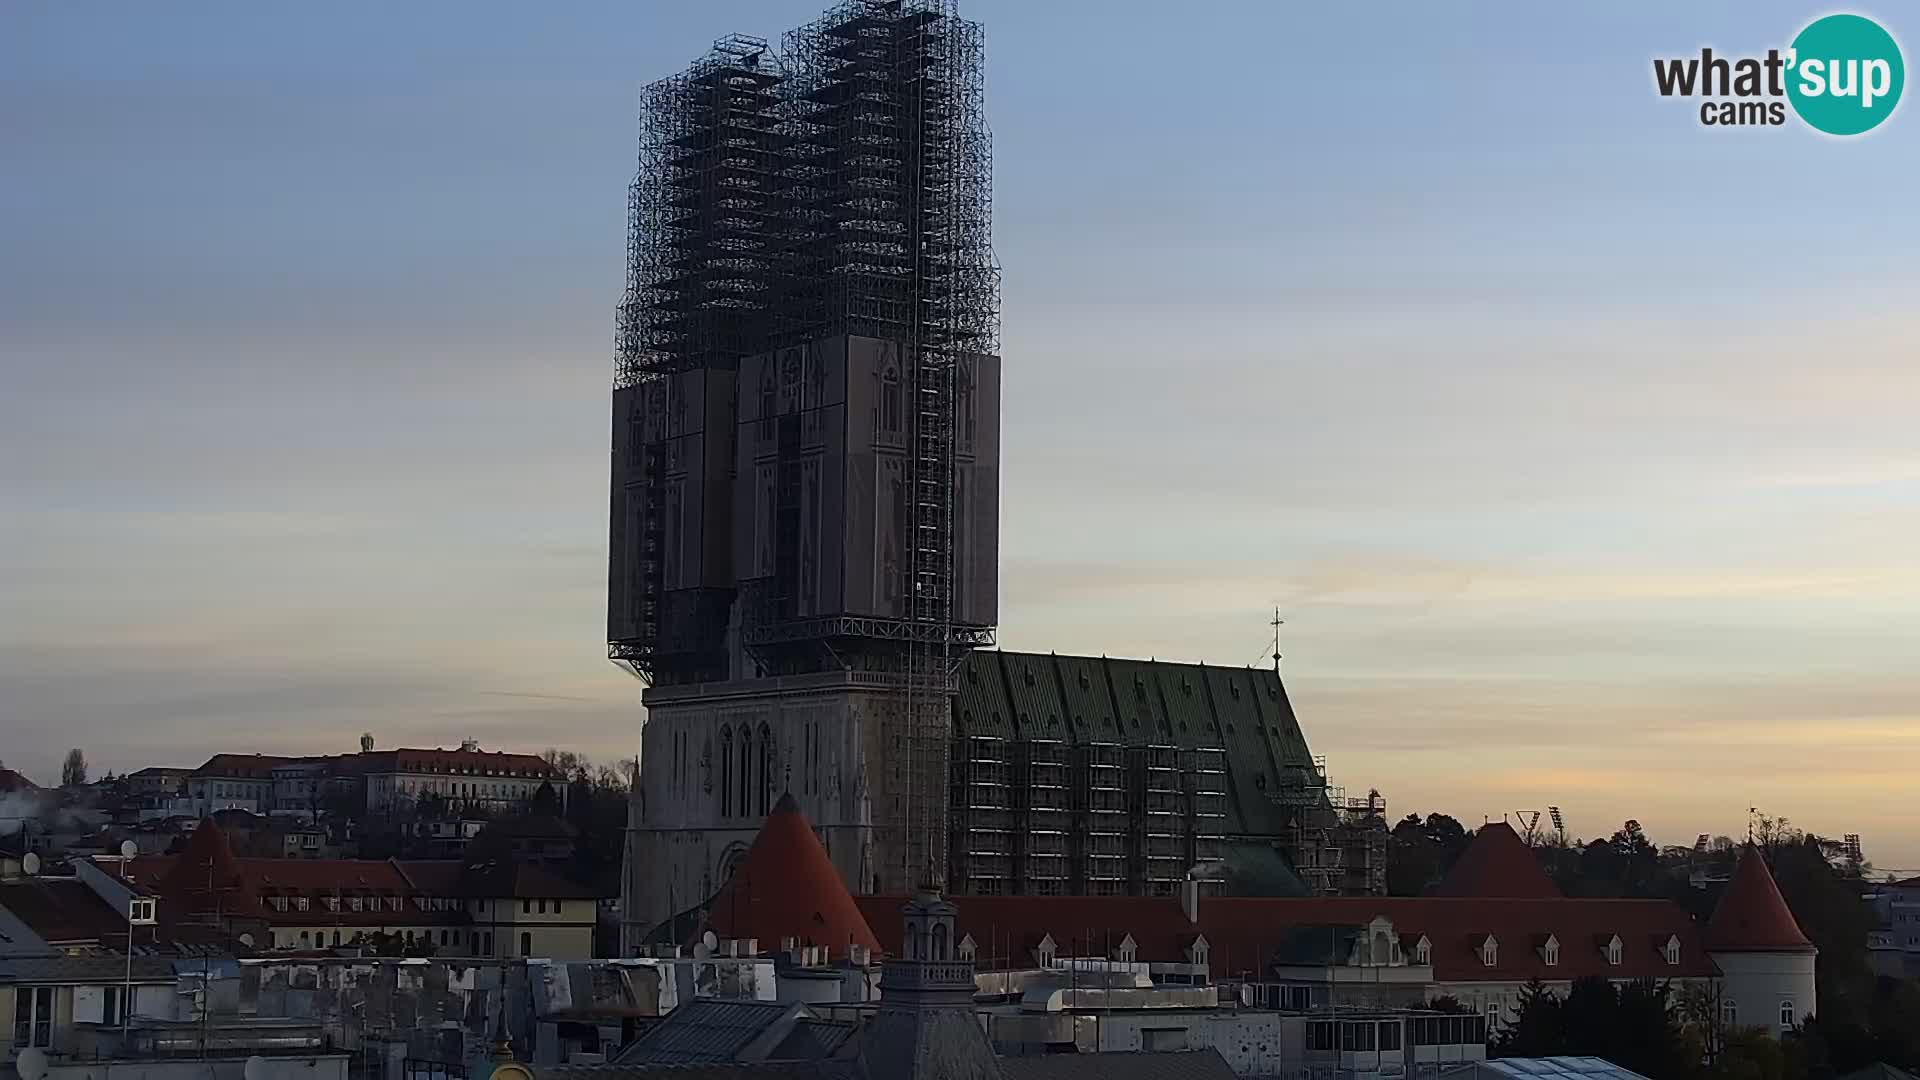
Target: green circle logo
1845	74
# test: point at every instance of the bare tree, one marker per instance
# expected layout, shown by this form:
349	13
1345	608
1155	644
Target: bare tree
74	772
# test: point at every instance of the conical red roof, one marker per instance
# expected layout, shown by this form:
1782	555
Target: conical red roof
205	877
787	887
1498	864
1752	916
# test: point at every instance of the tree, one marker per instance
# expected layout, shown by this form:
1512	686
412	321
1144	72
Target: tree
73	773
1536	1026
1631	1026
1421	851
1702	1008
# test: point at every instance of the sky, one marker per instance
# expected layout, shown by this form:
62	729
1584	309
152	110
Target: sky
1574	440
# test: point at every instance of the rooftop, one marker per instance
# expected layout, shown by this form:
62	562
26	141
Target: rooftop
1752	916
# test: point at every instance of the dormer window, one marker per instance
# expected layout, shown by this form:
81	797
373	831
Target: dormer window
1614	951
968	948
1489	952
1127	950
1423	951
1550	952
1198	951
1673	951
1045	951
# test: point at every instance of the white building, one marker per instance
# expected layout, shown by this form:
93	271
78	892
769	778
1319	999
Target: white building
1766	964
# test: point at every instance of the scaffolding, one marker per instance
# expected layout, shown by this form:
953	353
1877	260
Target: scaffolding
841	185
705	271
1338	845
890	166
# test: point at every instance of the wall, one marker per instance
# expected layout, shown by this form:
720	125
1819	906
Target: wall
1758	982
323	1067
683	846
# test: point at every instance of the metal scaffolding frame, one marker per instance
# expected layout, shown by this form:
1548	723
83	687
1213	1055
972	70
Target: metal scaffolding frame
1338	844
891	166
841	185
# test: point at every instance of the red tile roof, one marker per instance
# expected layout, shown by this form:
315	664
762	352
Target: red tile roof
1752	916
13	781
787	887
1497	864
246	888
1239	930
252	766
454	763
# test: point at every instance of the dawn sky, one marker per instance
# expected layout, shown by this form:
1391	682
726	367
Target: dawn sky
1576	441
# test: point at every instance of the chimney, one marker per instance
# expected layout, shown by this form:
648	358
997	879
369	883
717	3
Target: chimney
1190	900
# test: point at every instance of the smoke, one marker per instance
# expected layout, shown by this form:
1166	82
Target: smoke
44	812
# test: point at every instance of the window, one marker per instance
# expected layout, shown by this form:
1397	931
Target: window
766	770
746	772
1390	1035
726	771
303	939
1489	952
526	907
1613	951
1550	952
33	1016
1673	950
110	1007
1322	1035
526	944
1493	1011
556	907
1729	1013
1786	1013
300	903
486	943
543	907
1423	951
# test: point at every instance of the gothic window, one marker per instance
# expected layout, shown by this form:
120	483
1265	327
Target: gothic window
1786	1013
1489	953
766	770
939	950
890	401
726	771
767	405
746	771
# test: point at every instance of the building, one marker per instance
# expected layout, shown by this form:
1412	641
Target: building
157	780
1766	963
383	781
805	488
1894	943
1495	924
804	523
482	907
466	777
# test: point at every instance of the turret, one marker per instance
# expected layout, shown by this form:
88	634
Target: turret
1766	963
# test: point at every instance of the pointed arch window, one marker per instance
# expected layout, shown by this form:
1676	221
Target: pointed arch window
766	769
746	771
726	771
